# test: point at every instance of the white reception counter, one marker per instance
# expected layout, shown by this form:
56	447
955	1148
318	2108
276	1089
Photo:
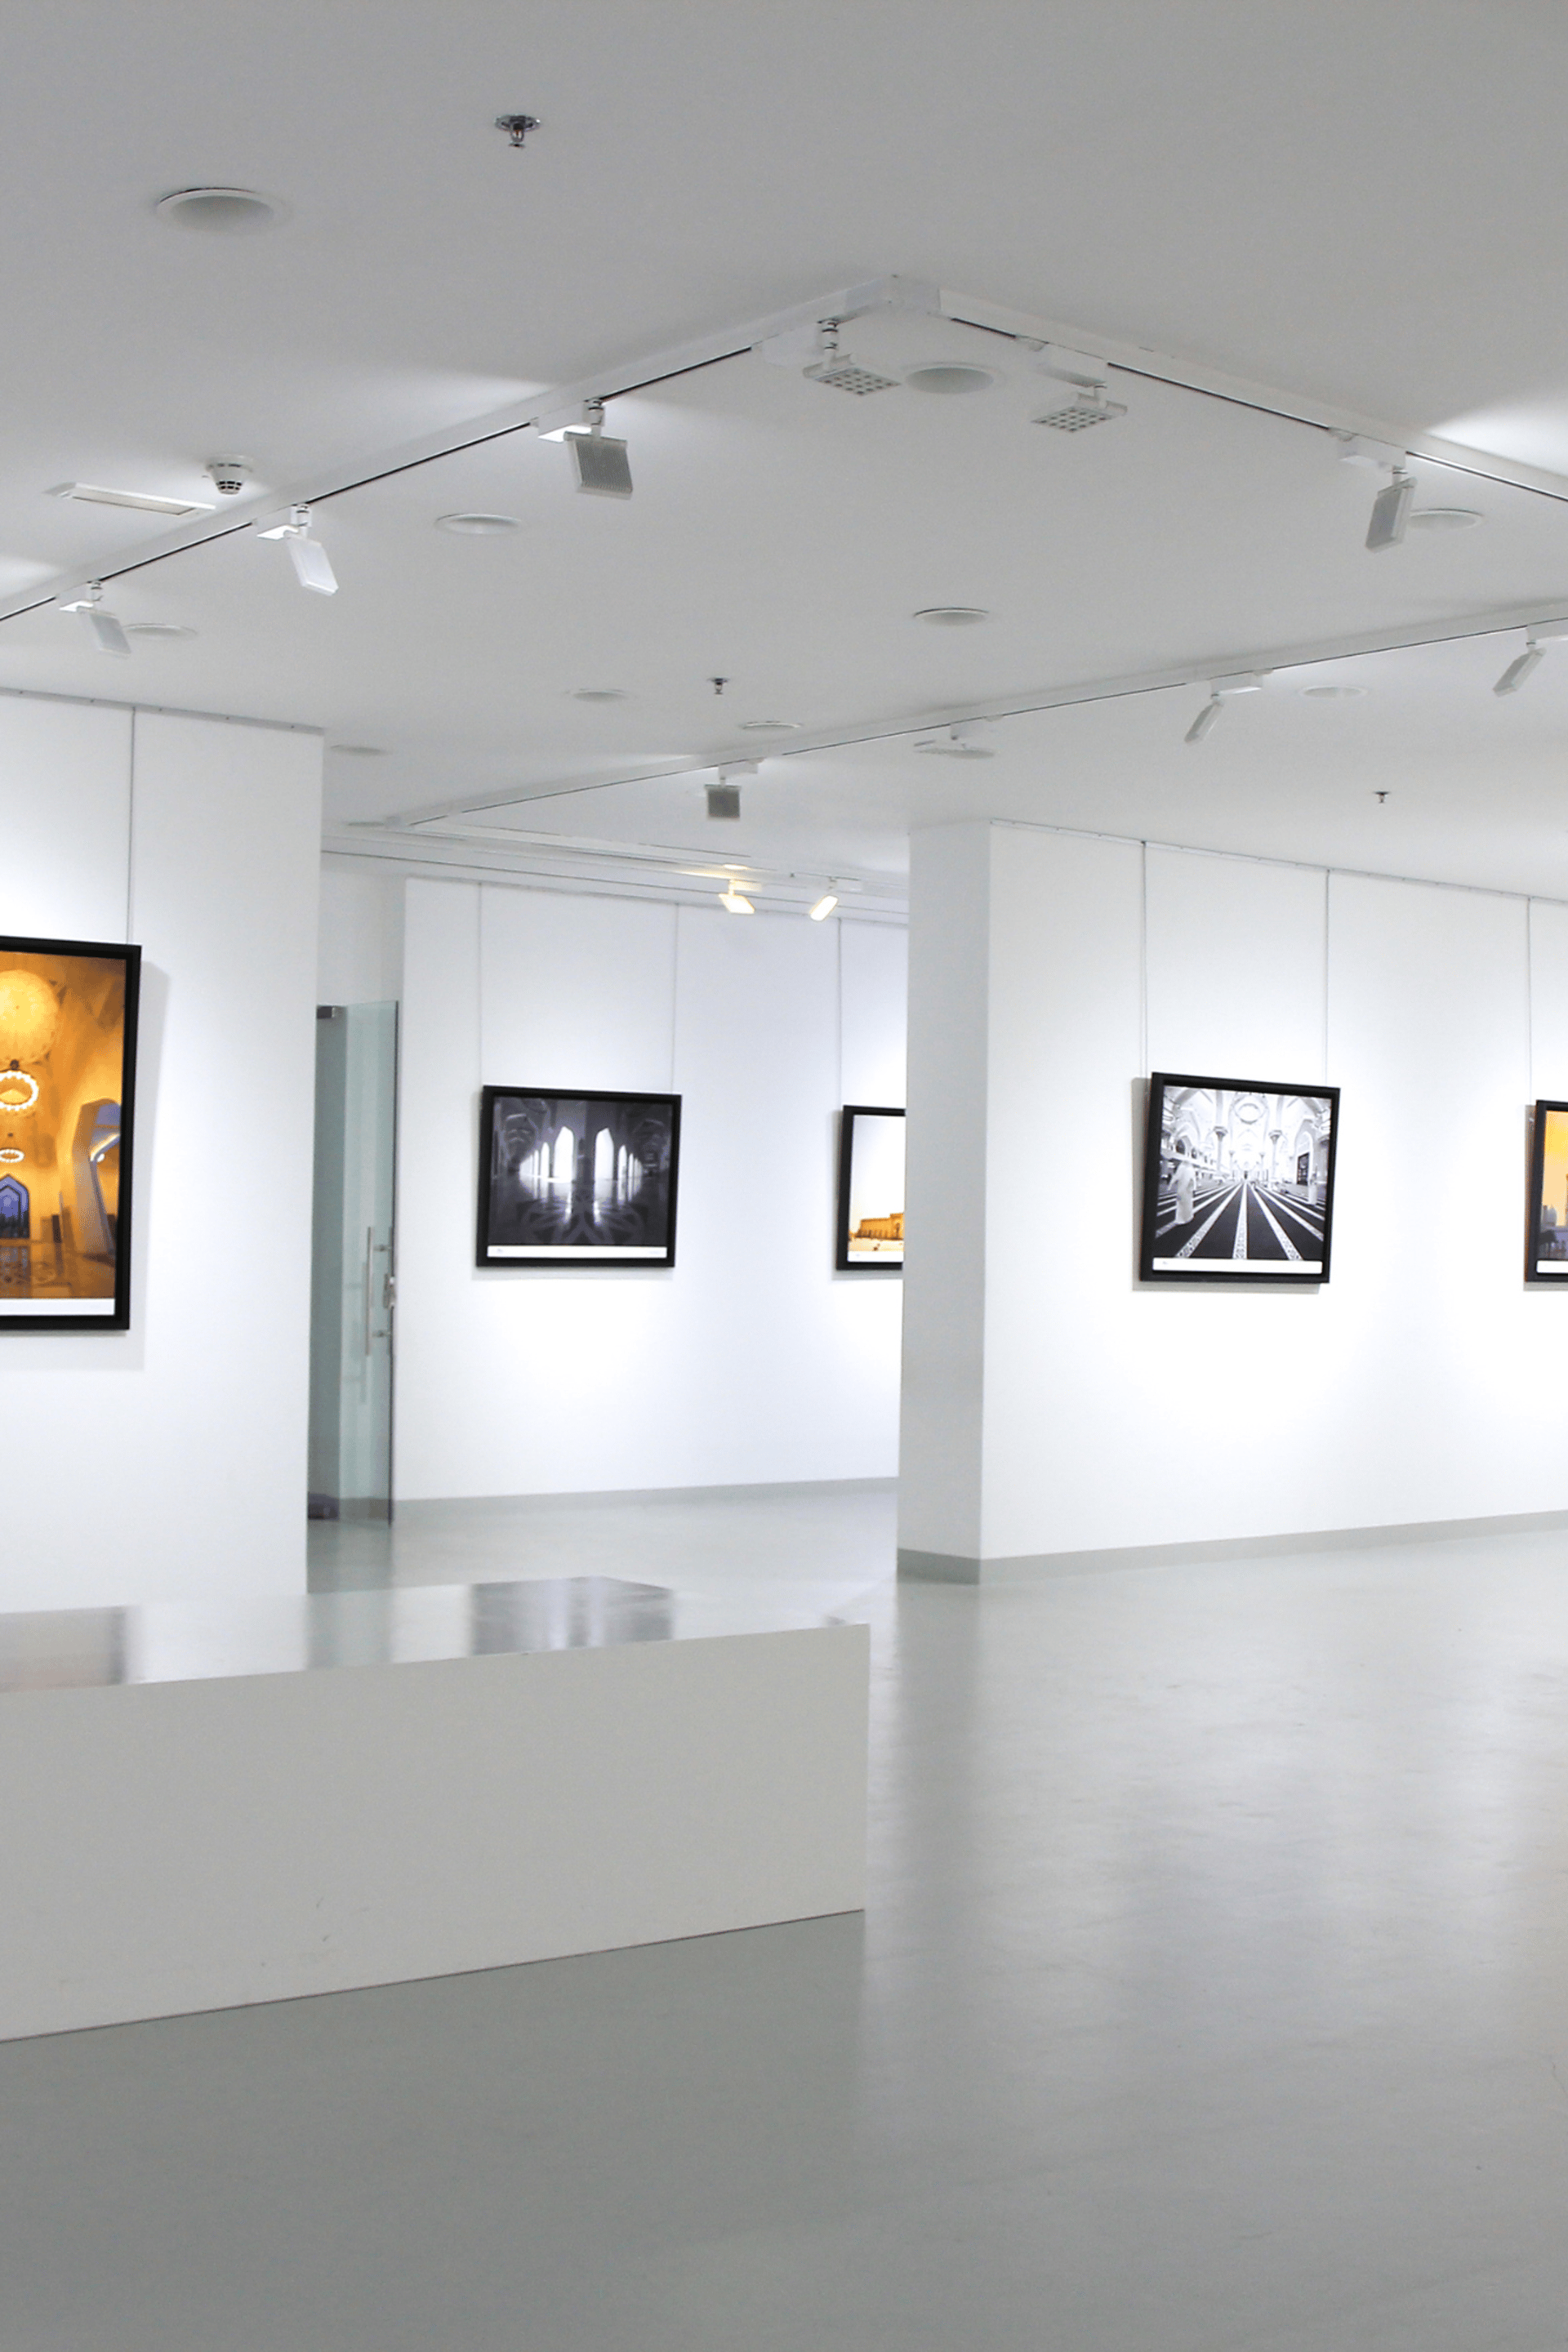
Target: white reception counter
364	1787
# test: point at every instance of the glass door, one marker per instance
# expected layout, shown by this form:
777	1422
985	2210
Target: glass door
353	1262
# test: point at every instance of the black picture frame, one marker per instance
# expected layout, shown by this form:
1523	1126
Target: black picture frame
596	1220
884	1253
1541	1262
1277	1216
53	1270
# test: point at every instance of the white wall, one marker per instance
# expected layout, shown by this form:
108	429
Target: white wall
1422	1382
168	1462
359	955
750	1360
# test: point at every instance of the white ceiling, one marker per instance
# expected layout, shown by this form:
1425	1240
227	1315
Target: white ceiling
1359	207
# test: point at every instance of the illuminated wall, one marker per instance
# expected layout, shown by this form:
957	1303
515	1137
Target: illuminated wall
168	1462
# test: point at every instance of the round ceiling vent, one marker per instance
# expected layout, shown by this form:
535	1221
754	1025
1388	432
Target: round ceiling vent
948	377
221	211
477	526
952	616
360	750
1443	519
156	630
1332	693
771	726
600	694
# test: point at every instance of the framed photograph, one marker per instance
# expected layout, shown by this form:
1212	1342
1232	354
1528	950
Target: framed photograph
577	1180
1546	1250
871	1187
68	1083
1238	1180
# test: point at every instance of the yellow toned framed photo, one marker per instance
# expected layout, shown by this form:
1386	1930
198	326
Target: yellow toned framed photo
68	1079
871	1188
1546	1248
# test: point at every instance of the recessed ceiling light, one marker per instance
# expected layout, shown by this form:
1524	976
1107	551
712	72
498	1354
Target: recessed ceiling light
1443	519
1332	693
952	616
772	726
600	694
221	211
477	526
949	376
93	494
360	750
166	629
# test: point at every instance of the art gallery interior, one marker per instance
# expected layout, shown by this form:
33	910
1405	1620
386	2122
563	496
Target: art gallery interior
724	1787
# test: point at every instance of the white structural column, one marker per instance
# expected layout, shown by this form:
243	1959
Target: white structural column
167	1463
1057	1410
941	1419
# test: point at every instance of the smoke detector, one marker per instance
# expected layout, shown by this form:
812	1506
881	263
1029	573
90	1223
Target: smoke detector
228	476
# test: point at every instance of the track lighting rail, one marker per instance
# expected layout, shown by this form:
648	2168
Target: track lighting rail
843	305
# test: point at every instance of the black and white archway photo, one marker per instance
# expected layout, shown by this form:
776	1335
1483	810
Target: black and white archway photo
1238	1180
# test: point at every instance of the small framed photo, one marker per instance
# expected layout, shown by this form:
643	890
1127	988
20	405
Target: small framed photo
67	1085
1546	1251
871	1187
1238	1180
583	1179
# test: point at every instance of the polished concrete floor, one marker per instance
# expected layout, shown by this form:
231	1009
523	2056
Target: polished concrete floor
1213	1992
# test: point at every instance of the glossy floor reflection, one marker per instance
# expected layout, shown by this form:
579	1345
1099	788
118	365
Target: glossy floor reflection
1213	1993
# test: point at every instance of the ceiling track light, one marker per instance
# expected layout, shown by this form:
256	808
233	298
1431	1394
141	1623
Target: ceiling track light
604	467
836	369
1391	510
1525	664
733	899
823	906
94	494
1221	691
1087	376
313	564
105	630
724	791
961	741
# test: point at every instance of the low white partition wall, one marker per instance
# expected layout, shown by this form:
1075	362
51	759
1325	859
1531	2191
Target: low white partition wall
368	1787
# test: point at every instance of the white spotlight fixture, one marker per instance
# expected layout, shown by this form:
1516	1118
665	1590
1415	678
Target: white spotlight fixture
94	494
825	905
961	741
1525	664
1221	691
1087	378
1391	510
835	367
313	564
105	630
733	899
604	468
724	793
